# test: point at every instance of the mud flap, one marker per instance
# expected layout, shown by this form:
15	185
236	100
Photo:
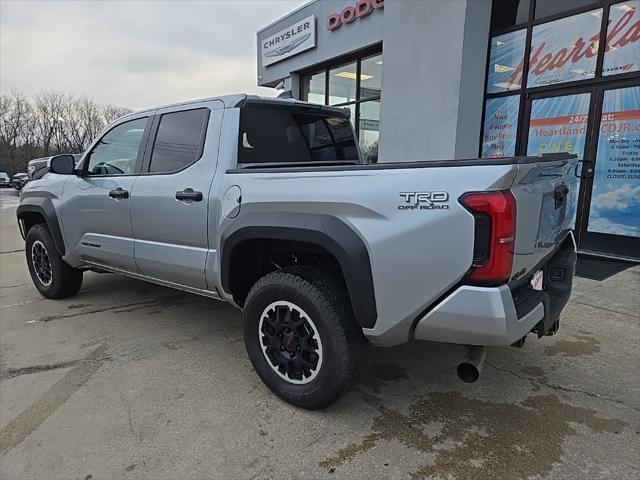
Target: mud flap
558	281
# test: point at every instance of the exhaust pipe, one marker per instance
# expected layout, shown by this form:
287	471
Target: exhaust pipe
470	367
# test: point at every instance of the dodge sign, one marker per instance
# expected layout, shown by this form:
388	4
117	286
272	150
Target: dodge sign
290	41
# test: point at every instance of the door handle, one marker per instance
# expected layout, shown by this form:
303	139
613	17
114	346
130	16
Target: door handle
189	194
119	193
587	169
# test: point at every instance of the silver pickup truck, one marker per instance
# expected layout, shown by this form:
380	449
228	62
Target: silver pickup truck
266	204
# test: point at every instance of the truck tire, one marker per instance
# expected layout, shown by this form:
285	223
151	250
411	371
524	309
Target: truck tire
51	275
302	338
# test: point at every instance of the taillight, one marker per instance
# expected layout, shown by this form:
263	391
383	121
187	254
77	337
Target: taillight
494	237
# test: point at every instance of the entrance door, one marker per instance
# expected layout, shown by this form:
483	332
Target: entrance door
609	220
601	125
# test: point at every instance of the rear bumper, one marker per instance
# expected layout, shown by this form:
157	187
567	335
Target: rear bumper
478	316
498	316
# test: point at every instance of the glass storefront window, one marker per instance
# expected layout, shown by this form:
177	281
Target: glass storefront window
615	198
507	13
342	84
360	94
559	124
564	50
622	54
500	127
545	8
371	77
313	88
506	61
369	130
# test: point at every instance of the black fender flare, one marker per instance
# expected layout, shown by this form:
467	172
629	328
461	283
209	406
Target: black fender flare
327	231
45	208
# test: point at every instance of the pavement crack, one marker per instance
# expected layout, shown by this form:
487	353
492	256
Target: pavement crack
605	309
14	286
98	310
554	386
35	414
12	251
138	435
17	372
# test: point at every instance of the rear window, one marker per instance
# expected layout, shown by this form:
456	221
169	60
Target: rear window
280	135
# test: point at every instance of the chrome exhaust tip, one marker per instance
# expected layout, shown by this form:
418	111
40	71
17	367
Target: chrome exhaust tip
470	368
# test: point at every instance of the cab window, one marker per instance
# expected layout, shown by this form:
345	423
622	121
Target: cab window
179	140
116	153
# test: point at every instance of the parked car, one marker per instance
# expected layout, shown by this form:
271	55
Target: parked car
37	167
19	180
5	181
266	204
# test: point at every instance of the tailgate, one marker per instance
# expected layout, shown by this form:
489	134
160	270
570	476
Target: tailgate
546	195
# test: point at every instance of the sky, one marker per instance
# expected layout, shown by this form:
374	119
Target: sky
134	53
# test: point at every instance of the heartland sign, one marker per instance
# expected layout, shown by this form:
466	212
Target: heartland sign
290	41
554	58
361	9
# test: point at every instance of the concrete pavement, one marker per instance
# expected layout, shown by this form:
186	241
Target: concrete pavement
132	380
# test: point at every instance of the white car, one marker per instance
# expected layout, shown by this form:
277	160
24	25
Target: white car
5	181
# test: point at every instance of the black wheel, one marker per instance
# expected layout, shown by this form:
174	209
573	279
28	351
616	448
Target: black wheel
50	274
302	338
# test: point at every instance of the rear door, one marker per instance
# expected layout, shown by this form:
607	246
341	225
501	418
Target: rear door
170	201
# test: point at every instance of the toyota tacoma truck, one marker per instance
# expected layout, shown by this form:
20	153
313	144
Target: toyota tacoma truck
266	204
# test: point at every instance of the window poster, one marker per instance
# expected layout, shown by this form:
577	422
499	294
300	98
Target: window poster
500	127
615	197
507	53
559	124
564	50
622	54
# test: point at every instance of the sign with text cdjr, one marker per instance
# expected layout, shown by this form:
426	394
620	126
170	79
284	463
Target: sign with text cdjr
289	41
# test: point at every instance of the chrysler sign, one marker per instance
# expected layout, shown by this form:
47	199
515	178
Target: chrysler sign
290	41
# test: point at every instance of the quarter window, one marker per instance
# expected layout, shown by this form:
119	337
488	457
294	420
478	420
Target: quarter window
116	153
178	141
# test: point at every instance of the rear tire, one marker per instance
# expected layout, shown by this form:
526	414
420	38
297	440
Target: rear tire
50	274
302	338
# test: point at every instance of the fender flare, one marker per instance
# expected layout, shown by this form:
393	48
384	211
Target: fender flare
327	231
44	207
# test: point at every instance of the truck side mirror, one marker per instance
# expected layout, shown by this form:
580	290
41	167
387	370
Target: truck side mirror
62	164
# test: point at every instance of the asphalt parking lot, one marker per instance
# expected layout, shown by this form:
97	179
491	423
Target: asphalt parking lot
131	380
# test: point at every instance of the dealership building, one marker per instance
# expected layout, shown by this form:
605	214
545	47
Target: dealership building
454	79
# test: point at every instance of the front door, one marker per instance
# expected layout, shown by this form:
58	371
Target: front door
601	125
95	209
169	202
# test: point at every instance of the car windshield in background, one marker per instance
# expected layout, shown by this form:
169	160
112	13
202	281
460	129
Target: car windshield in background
287	135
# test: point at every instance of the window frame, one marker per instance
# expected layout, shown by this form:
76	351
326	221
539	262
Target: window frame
153	134
325	67
141	149
525	92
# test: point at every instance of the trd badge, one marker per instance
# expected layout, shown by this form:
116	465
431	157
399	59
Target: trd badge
424	201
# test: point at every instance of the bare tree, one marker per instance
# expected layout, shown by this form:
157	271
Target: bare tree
50	123
50	107
113	112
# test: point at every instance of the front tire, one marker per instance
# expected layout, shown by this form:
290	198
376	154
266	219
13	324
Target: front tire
50	274
302	338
